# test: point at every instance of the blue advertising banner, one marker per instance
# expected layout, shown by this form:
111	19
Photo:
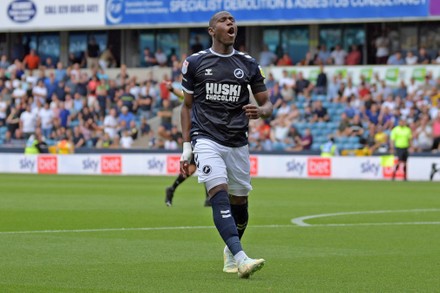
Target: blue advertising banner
154	12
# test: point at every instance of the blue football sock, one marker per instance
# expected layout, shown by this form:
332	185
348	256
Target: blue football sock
241	216
224	222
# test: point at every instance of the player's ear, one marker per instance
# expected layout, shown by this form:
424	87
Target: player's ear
211	31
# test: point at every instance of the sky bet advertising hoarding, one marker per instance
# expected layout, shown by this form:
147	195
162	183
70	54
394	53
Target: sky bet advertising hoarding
120	12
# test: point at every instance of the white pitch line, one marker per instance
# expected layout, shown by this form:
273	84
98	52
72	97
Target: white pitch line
129	229
300	221
297	221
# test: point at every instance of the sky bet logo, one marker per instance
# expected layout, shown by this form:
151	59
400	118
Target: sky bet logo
89	164
155	164
370	167
295	167
222	92
27	164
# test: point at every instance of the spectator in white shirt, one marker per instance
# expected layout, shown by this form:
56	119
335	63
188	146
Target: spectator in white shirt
286	80
338	55
350	90
111	123
3	108
389	103
412	87
18	94
410	58
46	119
28	122
161	57
40	91
126	140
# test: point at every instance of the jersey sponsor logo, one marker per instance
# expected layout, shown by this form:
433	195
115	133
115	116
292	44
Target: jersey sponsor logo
238	73
208	71
319	167
254	165
173	164
47	164
185	67
206	169
223	92
111	164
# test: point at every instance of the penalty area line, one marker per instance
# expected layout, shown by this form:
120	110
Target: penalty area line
300	221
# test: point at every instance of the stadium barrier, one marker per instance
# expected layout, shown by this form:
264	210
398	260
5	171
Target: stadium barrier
268	166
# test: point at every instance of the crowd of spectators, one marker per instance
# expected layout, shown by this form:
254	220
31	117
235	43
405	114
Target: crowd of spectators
85	107
339	56
89	109
307	113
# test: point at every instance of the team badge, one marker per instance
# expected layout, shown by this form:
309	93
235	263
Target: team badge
238	73
206	169
185	67
261	71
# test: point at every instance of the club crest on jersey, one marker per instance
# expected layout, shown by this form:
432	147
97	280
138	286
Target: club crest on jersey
185	67
238	73
206	169
223	92
208	71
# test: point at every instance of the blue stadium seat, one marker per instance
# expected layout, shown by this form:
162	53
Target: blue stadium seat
74	123
316	147
320	125
3	130
353	139
341	139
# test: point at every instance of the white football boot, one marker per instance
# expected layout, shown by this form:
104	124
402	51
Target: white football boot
230	265
249	266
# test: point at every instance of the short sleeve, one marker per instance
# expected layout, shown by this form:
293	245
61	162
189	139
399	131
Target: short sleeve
188	73
257	81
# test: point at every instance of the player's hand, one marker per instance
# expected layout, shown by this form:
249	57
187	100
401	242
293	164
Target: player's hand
184	168
185	158
252	111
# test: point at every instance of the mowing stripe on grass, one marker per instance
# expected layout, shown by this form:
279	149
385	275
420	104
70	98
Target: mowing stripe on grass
129	229
300	221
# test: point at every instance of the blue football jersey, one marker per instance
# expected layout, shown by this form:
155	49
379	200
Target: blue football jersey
219	85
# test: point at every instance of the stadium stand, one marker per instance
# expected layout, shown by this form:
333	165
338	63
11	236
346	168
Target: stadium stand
79	102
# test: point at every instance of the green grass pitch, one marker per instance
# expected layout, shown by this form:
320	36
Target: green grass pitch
80	246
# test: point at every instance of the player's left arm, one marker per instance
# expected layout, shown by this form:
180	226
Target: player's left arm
264	108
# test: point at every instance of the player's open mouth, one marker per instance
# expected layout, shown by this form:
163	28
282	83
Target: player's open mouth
231	32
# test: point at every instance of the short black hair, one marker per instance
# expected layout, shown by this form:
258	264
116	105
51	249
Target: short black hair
215	16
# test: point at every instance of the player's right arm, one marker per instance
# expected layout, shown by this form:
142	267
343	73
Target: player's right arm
185	118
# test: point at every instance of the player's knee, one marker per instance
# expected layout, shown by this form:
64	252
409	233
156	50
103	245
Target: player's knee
238	200
214	190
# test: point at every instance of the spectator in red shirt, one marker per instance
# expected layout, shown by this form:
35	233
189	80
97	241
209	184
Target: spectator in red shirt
285	60
164	92
354	57
31	61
